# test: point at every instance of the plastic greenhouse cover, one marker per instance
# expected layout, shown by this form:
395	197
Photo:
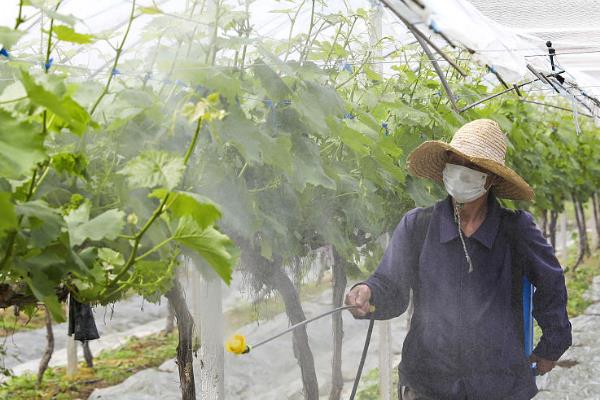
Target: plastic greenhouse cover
508	49
509	36
504	37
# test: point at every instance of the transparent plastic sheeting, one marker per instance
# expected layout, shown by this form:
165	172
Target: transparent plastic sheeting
506	35
510	34
107	19
509	49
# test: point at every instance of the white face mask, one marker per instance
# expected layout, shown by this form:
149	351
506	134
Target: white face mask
464	184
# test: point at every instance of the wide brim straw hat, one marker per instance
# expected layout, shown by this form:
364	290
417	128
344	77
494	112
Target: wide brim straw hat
483	143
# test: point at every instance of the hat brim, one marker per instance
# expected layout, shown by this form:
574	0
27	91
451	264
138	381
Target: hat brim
429	159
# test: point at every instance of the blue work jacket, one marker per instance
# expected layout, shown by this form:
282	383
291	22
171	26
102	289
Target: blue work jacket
463	341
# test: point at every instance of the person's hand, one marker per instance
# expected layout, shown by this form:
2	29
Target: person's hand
543	365
359	296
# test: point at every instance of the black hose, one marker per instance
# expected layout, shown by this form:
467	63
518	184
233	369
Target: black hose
362	359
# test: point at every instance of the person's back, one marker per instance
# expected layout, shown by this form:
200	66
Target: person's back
465	337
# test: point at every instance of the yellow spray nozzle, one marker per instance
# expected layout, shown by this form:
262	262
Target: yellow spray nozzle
237	344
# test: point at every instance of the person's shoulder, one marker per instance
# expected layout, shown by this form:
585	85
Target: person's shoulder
418	212
519	219
416	216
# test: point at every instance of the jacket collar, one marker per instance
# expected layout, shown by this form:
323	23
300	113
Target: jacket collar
486	234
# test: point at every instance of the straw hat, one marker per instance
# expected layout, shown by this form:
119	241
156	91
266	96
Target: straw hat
483	143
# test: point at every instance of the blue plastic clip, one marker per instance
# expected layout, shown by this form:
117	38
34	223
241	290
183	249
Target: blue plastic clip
115	72
49	64
384	125
348	67
4	52
348	116
433	26
528	320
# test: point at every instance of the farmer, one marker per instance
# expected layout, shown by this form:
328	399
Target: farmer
466	334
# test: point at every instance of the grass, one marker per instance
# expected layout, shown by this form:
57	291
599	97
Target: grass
9	323
369	387
110	368
579	281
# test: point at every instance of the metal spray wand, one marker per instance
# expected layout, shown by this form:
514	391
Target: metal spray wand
237	344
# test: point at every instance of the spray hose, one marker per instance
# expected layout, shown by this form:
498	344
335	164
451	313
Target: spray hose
237	343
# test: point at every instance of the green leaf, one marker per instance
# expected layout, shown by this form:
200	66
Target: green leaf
420	192
316	104
216	248
21	147
43	222
106	225
275	86
151	278
110	257
154	168
201	209
43	289
408	115
70	163
67	34
67	109
8	37
256	145
8	218
306	165
150	10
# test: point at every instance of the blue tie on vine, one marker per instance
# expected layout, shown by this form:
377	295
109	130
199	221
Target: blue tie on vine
4	52
49	64
386	131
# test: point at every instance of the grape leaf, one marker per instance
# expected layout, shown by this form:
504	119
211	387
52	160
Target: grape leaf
154	168
106	225
306	166
67	109
8	36
43	289
68	34
150	10
202	210
21	148
8	218
44	222
216	248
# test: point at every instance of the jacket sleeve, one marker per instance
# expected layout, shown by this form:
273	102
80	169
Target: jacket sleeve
391	282
550	296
